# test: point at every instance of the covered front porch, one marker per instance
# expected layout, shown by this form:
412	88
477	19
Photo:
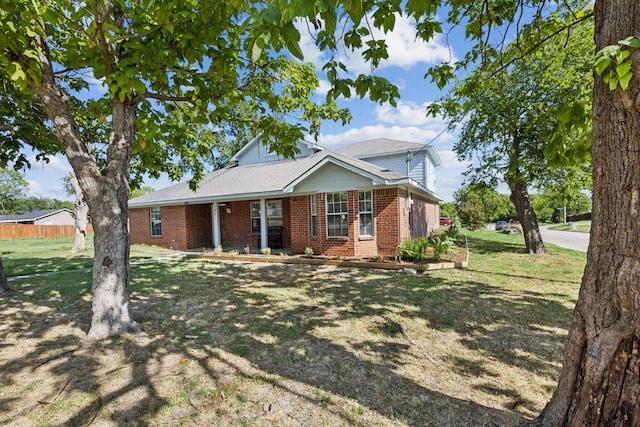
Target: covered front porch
251	225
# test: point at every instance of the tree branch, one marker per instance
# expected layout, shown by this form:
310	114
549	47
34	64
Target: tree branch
160	97
8	128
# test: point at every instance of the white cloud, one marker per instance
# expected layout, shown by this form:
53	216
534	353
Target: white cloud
324	87
404	49
57	163
407	113
403	133
35	189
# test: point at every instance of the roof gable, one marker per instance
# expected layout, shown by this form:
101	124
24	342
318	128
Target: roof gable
386	147
33	215
255	152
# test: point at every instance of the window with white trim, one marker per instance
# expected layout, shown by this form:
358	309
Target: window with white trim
255	217
314	215
337	215
156	222
365	213
274	215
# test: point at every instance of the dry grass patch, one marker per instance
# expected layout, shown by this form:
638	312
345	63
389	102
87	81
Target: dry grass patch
230	343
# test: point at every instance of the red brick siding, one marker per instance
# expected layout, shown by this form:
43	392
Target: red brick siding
139	225
300	225
199	226
237	222
173	227
387	219
424	217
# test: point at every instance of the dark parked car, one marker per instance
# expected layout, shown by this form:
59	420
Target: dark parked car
501	225
446	221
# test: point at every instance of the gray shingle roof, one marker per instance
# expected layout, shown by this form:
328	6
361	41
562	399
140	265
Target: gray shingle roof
258	179
31	216
378	146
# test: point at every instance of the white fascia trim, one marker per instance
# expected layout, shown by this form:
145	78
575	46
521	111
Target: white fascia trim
210	199
434	156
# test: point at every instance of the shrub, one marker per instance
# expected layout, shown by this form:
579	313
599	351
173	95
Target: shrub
415	250
412	250
473	217
441	246
266	251
308	252
453	230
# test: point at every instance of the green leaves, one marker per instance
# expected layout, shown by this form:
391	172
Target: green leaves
617	58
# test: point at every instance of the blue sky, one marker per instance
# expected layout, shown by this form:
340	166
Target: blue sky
408	61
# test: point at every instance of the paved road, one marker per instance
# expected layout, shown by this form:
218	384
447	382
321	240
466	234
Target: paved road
566	239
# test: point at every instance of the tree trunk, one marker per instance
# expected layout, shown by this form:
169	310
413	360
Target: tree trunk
106	192
108	202
527	217
80	216
600	380
5	285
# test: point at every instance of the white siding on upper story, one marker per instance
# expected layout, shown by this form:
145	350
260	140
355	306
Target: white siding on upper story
332	178
430	175
257	152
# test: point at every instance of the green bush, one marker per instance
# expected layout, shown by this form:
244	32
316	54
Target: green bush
473	217
453	230
412	250
441	246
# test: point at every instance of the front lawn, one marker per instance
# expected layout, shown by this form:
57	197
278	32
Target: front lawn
42	255
233	343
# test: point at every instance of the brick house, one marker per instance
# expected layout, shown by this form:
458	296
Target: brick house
359	201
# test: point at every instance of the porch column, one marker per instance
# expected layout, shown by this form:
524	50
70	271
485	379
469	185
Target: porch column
264	233
215	214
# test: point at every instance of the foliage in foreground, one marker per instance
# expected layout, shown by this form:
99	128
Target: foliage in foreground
237	343
441	242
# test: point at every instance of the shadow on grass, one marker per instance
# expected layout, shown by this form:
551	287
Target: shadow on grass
266	344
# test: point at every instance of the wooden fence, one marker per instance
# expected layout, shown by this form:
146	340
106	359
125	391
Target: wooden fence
21	231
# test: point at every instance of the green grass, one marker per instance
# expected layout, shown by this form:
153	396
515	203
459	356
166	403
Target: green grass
234	343
41	255
579	226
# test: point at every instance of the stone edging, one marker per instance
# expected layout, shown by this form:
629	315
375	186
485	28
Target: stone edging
336	262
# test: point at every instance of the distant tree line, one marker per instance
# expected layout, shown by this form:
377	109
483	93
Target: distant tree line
477	204
14	200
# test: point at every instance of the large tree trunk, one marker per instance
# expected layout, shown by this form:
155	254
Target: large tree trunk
527	217
80	216
108	202
600	380
5	285
106	192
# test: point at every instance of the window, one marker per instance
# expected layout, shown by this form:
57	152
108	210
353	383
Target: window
255	217
156	222
337	215
314	216
274	215
365	213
